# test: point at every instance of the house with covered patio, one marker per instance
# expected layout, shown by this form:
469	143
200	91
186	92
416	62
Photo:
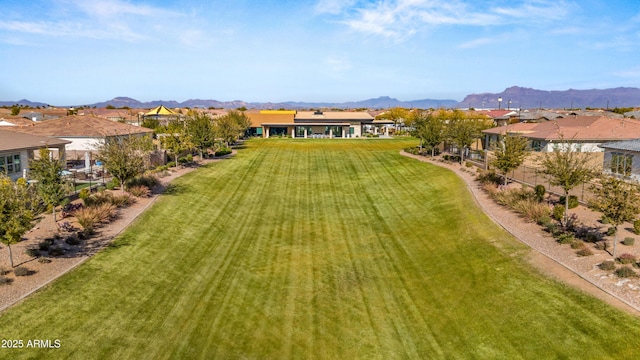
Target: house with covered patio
18	149
310	124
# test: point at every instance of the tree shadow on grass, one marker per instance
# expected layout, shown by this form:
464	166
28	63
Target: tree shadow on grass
174	189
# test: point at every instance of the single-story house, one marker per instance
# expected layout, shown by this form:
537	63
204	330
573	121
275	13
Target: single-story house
622	158
585	133
17	149
310	124
84	133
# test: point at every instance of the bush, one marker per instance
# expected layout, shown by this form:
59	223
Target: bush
84	193
4	271
43	260
111	185
539	192
21	271
44	245
625	272
33	252
552	228
601	245
543	220
566	238
56	251
604	219
577	244
611	231
72	240
5	280
101	188
636	227
626	258
488	177
223	151
573	201
584	252
607	265
148	180
532	210
412	150
123	200
140	191
558	212
629	241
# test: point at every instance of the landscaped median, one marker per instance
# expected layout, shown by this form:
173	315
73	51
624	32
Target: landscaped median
316	248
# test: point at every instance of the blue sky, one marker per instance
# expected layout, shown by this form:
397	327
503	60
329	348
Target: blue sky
74	52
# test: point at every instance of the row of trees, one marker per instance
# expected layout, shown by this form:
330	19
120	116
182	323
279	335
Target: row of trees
200	131
433	127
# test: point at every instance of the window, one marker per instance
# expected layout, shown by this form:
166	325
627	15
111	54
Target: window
10	164
621	163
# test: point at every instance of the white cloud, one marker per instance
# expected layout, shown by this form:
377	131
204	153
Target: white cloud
402	18
333	6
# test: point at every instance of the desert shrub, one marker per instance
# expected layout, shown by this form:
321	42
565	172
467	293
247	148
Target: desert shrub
625	272
98	199
43	260
532	210
604	219
544	220
566	238
626	258
84	193
577	244
223	151
148	180
468	164
123	200
629	241
5	280
636	227
101	188
593	237
539	192
558	212
4	271
573	201
490	188
66	226
72	240
412	150
21	271
91	217
584	252
552	228
139	191
488	177
607	265
33	252
56	251
44	245
611	231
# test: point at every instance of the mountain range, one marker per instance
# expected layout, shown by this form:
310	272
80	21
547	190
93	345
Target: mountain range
511	98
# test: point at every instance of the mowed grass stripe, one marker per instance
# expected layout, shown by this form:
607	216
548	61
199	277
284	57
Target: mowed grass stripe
316	249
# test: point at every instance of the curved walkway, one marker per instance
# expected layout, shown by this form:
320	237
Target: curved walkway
550	257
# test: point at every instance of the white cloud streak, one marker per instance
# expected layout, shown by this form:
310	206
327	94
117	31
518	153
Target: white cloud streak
400	19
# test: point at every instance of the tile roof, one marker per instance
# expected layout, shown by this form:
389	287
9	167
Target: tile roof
80	126
10	140
333	115
590	128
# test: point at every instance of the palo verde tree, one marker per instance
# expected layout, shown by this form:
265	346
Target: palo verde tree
124	157
18	208
509	153
51	185
199	129
567	168
618	200
428	128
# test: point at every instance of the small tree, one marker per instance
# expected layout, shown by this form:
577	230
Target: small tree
617	200
464	130
176	139
396	114
229	127
18	202
124	158
199	129
567	168
50	184
509	153
428	128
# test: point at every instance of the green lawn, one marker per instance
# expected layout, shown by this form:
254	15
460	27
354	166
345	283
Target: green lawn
317	249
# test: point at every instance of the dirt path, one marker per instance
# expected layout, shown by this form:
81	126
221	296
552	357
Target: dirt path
553	259
44	273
